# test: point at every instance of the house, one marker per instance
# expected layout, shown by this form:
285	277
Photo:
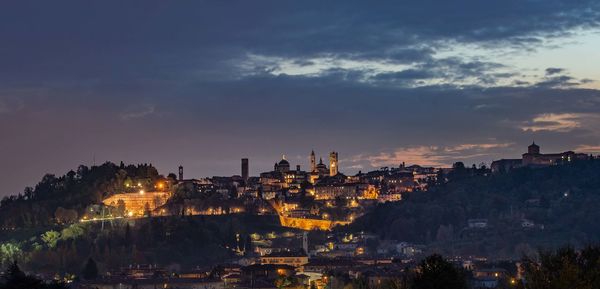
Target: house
153	283
295	259
477	223
264	276
527	224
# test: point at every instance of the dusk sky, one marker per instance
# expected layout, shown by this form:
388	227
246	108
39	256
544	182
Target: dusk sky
205	83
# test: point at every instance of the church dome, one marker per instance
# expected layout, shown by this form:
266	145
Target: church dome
533	149
284	163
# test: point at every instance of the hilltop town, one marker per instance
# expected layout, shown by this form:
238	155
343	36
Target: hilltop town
319	198
310	228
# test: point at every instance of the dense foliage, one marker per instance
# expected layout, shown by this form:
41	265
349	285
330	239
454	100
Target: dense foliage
187	241
60	199
435	272
559	203
564	268
17	279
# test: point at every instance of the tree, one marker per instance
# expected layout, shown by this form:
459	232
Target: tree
121	208
564	268
147	211
72	232
90	270
127	237
9	252
248	246
63	215
435	272
17	279
50	238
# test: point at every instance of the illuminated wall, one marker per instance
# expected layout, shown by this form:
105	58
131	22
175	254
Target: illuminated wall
136	203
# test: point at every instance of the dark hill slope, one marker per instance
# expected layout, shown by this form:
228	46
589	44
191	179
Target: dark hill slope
561	201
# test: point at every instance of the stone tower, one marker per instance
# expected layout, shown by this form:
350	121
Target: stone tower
313	162
181	173
333	163
245	170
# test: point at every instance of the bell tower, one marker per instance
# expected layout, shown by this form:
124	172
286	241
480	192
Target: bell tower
181	173
533	149
333	163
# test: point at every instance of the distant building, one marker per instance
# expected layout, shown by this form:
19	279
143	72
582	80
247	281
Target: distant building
263	276
477	223
344	191
333	163
533	158
296	259
322	168
282	166
138	204
245	172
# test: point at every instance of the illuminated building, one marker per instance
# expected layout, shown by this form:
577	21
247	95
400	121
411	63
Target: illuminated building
262	276
296	259
333	191
321	168
137	204
370	193
283	165
333	163
389	197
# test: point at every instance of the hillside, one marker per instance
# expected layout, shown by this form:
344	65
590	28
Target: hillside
70	193
525	209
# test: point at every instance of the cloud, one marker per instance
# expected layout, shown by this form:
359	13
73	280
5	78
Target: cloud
420	72
315	73
437	156
207	40
557	78
557	122
588	148
143	111
553	70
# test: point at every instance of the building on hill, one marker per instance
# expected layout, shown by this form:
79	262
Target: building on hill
333	163
138	204
295	258
263	276
282	166
533	158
